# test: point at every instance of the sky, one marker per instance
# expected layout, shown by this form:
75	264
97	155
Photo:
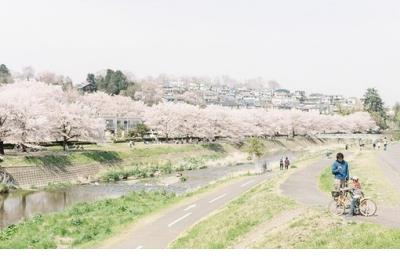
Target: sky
326	46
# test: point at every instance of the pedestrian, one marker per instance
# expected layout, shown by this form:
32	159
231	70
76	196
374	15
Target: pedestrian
374	145
281	164
131	144
346	147
287	163
340	169
385	145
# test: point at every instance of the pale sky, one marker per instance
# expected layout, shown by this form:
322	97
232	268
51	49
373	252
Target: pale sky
328	46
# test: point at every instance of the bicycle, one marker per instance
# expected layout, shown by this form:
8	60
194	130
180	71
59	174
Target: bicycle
342	200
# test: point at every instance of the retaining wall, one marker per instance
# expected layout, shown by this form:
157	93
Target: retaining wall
35	176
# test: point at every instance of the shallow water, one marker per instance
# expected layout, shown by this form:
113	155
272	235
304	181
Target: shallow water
14	207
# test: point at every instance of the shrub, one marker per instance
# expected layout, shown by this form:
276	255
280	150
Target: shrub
111	176
3	188
183	178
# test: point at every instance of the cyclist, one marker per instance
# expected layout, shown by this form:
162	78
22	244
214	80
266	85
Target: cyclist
356	194
340	169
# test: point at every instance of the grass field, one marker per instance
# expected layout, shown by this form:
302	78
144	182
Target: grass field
226	227
117	153
319	229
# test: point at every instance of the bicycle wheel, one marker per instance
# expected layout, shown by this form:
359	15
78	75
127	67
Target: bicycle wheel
368	207
336	208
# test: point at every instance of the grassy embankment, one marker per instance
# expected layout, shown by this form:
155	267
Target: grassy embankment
118	153
86	224
82	223
319	229
226	227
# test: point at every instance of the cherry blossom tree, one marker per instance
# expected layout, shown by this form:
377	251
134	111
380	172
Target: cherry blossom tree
37	112
5	130
73	121
162	118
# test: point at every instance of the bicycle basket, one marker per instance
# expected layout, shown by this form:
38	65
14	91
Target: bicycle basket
335	194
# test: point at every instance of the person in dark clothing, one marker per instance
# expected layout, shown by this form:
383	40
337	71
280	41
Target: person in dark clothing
287	163
340	169
281	164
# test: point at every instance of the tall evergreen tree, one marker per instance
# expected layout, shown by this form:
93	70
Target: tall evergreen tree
374	105
5	75
91	79
113	82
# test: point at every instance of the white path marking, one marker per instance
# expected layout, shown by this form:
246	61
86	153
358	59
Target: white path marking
189	207
217	198
139	247
247	183
179	219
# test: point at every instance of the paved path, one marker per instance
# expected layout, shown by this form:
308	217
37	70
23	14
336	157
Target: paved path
303	185
389	161
161	230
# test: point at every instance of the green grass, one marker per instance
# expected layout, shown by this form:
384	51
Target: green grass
224	228
3	188
318	229
355	236
84	222
58	186
326	180
150	170
116	153
373	180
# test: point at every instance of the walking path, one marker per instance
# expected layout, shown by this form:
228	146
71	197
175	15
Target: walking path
159	231
303	185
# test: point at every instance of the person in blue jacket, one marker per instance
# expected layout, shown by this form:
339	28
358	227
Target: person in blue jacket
340	169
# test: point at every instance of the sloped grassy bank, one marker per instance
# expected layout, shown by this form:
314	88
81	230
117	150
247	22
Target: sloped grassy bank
84	222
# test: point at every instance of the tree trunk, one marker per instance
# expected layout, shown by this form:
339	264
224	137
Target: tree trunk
1	147
65	143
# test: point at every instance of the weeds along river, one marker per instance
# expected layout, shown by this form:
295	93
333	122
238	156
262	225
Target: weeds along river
16	206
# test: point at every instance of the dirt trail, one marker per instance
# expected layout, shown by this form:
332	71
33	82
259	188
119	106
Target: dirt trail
268	226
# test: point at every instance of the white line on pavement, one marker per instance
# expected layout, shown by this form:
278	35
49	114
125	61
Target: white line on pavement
139	247
217	198
189	207
179	219
247	183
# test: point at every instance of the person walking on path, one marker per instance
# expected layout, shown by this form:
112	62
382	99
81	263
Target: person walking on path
340	170
287	163
281	164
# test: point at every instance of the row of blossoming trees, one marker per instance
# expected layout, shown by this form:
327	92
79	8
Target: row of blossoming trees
36	112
